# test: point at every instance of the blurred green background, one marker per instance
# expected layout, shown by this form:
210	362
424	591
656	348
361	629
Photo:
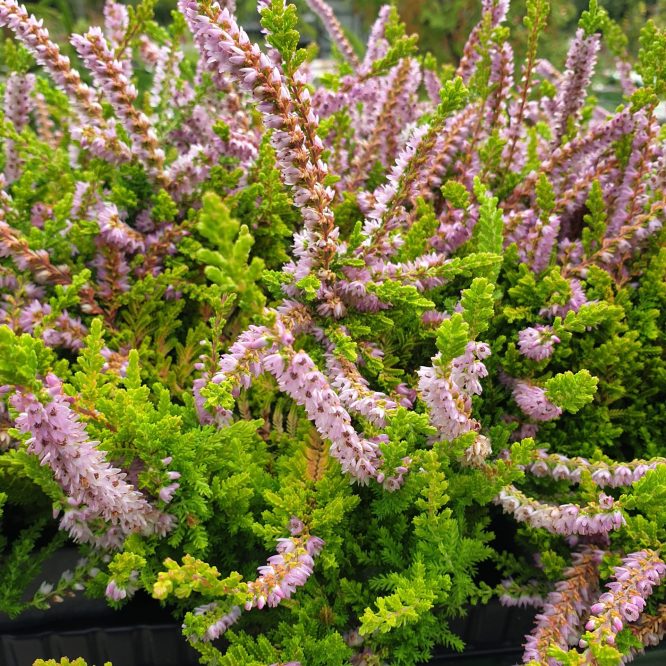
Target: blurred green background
443	25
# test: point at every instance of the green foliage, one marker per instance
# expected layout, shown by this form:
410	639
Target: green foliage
400	45
15	57
488	232
522	452
572	391
310	285
595	219
452	337
652	57
456	194
413	597
190	577
139	17
453	96
22	358
545	196
226	256
594	19
536	19
164	208
266	208
418	235
478	305
405	298
280	20
124	568
649	496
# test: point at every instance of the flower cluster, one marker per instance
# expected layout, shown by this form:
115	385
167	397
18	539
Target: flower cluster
17	105
225	44
116	592
289	569
559	622
614	475
121	94
284	572
279	579
624	602
449	397
216	629
649	630
36	38
565	519
533	401
95	491
517	596
537	343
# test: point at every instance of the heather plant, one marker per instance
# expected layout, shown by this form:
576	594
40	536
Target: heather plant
283	351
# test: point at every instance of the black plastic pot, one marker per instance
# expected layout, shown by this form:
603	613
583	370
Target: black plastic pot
157	644
144	634
87	630
140	645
